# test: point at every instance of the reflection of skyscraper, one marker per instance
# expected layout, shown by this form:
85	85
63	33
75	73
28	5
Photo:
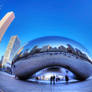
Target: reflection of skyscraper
5	22
12	47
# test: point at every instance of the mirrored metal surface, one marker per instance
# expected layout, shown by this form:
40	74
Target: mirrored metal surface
52	44
52	51
60	74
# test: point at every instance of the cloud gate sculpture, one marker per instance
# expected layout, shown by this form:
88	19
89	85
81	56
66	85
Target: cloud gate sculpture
52	51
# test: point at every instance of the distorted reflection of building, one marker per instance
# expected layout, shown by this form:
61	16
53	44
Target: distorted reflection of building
45	48
48	48
12	47
52	51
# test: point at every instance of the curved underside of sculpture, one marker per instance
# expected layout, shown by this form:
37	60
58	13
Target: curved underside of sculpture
26	67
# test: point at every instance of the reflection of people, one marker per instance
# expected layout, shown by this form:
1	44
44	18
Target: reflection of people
52	79
66	78
37	78
57	79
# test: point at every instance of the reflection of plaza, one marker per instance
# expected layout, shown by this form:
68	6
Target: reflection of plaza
59	73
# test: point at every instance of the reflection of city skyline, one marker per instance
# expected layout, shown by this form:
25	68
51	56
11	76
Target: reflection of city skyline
36	50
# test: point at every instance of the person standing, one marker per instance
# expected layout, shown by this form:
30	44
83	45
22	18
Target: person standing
51	79
66	78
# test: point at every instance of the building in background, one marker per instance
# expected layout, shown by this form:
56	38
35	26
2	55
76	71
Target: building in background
12	47
5	22
1	62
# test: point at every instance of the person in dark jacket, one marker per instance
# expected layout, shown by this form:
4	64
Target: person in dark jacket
66	78
51	78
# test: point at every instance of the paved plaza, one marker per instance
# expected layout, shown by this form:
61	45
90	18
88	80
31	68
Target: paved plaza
9	84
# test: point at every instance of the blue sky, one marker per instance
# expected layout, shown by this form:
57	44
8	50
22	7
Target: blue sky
37	18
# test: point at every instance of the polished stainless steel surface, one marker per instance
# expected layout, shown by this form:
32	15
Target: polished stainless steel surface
53	44
52	51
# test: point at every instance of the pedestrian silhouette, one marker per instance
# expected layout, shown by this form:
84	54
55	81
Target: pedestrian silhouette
66	78
51	80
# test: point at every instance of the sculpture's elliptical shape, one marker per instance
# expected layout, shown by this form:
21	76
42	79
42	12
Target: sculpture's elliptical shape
49	52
